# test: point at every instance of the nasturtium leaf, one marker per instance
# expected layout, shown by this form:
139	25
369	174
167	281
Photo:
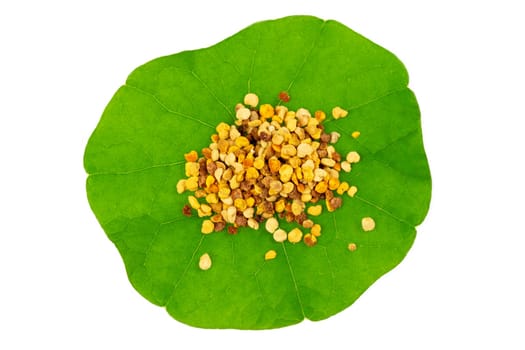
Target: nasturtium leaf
172	104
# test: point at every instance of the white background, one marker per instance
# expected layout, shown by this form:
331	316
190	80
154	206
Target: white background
62	283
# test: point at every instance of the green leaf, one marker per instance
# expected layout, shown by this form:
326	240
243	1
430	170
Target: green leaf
171	105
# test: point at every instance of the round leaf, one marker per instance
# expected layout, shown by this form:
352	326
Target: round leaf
171	105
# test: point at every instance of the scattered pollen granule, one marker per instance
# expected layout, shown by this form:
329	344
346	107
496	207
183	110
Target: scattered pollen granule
352	247
368	224
205	262
270	255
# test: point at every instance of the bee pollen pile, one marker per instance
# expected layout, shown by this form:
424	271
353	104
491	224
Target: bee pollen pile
272	164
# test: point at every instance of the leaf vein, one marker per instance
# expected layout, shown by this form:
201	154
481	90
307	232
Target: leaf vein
252	66
198	78
177	283
396	140
294	281
307	56
157	193
392	215
172	221
374	156
150	246
335	225
138	170
330	119
167	109
331	268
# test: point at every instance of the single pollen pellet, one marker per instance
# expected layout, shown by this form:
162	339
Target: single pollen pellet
200	193
280	235
306	197
343	187
355	134
212	198
242	141
319	174
330	150
194	202
328	162
247	162
308	223
207	227
368	224
271	225
316	230
274	164
266	111
230	159
291	124
304	150
227	201
191	156
277	139
338	112
192	169
295	235
251	173
303	115
353	157
215	155
279	206
271	254
315	210
297	207
285	173
333	183
231	213
309	164
234	133
310	240
352	191
296	163
308	175
258	163
223	130
252	223
242	113
320	115
251	100
240	204
334	136
321	187
352	247
275	187
281	112
209	180
181	186
237	169
205	262
254	123
346	166
284	96
248	213
288	151
192	183
224	192
287	187
204	210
